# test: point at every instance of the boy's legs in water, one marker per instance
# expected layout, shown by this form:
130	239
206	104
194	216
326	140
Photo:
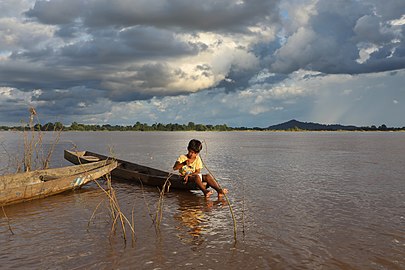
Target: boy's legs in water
211	182
198	181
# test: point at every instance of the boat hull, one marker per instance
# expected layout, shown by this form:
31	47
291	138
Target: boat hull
133	172
21	187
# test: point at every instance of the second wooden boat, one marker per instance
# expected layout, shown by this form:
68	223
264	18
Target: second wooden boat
20	187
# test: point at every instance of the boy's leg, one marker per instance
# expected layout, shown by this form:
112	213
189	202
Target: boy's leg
211	182
198	181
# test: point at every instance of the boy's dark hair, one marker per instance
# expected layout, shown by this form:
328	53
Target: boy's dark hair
195	145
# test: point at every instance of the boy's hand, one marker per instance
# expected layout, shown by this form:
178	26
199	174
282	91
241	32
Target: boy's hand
186	178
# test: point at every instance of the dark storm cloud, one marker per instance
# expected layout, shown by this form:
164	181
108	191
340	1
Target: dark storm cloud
193	14
150	80
26	76
72	107
92	63
148	42
13	113
69	31
103	35
54	105
77	94
334	36
57	12
111	47
368	28
154	75
388	10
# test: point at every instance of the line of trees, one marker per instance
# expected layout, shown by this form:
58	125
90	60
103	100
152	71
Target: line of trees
191	126
138	126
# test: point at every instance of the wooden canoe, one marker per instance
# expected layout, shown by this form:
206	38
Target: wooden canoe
20	187
133	172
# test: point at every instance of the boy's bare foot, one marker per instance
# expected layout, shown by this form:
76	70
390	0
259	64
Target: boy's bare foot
208	194
222	192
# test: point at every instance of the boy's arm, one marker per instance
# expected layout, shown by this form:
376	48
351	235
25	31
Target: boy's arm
178	165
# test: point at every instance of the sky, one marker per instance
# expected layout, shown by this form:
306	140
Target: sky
242	63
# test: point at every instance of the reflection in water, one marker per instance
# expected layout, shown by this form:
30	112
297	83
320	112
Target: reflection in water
194	217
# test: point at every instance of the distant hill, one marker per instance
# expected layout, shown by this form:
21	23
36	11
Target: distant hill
294	125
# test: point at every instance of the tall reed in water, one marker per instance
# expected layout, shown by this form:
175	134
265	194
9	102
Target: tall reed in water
114	207
159	210
115	210
8	220
34	155
227	200
225	195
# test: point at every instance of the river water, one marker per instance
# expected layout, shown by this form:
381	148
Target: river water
310	200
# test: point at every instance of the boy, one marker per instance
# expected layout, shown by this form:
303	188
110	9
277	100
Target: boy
190	166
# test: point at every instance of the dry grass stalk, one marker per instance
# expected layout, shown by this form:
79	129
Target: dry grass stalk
34	156
8	221
159	210
47	159
227	200
133	224
93	214
115	209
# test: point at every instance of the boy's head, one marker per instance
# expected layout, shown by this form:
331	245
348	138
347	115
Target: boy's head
195	146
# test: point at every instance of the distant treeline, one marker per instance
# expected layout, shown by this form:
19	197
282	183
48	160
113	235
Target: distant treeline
136	127
292	125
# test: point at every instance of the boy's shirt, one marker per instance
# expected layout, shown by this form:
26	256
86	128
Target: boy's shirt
197	164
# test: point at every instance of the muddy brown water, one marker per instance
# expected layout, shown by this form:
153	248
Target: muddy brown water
316	200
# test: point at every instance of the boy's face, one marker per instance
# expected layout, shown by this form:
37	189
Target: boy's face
192	154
